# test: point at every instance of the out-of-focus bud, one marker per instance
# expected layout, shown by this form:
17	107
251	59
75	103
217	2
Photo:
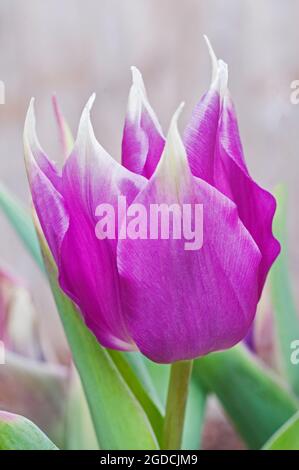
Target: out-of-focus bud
30	385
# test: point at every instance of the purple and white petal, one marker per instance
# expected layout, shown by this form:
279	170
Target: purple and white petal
143	140
181	304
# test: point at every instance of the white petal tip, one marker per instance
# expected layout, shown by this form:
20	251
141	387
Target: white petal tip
173	132
213	57
138	101
137	80
222	77
30	112
177	113
90	102
85	117
173	128
173	163
30	140
136	74
29	127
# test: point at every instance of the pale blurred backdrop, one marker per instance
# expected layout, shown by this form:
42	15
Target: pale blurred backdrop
74	48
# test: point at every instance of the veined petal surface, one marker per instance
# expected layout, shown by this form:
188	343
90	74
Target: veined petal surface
215	154
143	139
180	304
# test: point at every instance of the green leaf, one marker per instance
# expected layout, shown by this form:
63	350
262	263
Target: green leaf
120	421
21	220
18	433
139	365
252	396
153	412
287	437
80	434
286	315
195	413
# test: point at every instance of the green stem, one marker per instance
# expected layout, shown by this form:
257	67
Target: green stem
176	404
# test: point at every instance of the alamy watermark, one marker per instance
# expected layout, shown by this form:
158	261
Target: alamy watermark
295	352
294	96
156	222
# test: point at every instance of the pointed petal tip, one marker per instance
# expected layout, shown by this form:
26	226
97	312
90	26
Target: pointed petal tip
174	147
30	139
176	116
213	57
136	74
85	116
90	102
29	134
137	80
138	101
210	49
219	70
85	130
54	100
30	115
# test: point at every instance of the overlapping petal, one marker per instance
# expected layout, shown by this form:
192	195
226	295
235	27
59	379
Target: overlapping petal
256	206
215	154
154	294
88	271
143	139
45	185
181	304
87	266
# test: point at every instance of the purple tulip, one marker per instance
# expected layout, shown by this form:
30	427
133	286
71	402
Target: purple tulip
153	295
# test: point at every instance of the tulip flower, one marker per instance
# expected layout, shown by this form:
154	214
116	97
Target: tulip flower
153	295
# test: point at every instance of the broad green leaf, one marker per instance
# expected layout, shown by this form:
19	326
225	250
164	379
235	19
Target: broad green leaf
18	433
119	419
139	391
138	363
21	220
252	396
287	437
286	315
195	413
159	374
80	434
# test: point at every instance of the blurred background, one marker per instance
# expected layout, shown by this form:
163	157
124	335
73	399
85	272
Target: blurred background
74	48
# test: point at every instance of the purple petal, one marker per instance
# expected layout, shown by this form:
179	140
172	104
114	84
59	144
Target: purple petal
143	139
200	135
66	210
35	153
215	154
45	184
87	267
182	304
256	206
